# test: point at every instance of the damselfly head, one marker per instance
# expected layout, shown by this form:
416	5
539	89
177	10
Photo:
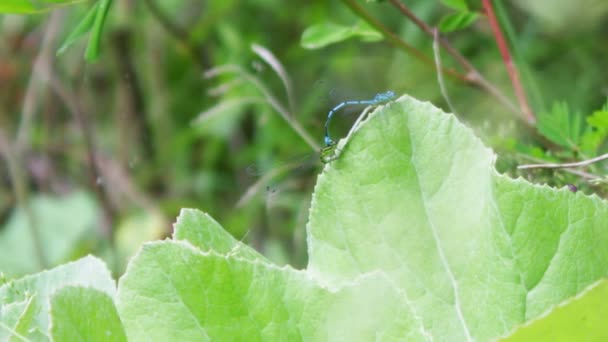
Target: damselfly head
327	153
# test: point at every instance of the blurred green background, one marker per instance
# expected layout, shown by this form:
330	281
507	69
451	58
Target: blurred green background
98	158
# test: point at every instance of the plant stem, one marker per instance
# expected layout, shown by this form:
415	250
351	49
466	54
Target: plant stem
533	89
511	69
440	80
473	76
71	101
398	42
564	165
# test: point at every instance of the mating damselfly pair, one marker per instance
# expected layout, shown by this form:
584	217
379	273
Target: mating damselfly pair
304	163
328	152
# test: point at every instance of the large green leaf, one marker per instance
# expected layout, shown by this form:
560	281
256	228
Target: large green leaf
29	6
412	235
31	294
464	242
212	238
173	291
84	314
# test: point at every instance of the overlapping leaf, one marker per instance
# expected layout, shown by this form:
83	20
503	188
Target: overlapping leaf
27	300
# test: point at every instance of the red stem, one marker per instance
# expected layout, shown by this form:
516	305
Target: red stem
506	56
473	76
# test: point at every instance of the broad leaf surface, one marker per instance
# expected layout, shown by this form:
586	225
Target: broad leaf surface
412	235
212	238
89	271
207	296
415	194
84	314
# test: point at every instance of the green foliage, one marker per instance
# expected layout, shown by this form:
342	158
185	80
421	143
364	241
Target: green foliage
596	131
462	19
321	35
457	21
93	47
561	126
83	28
92	22
578	137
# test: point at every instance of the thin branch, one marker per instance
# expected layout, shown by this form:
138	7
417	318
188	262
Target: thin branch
588	176
131	86
442	87
532	88
473	76
398	42
278	68
72	103
564	165
506	56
